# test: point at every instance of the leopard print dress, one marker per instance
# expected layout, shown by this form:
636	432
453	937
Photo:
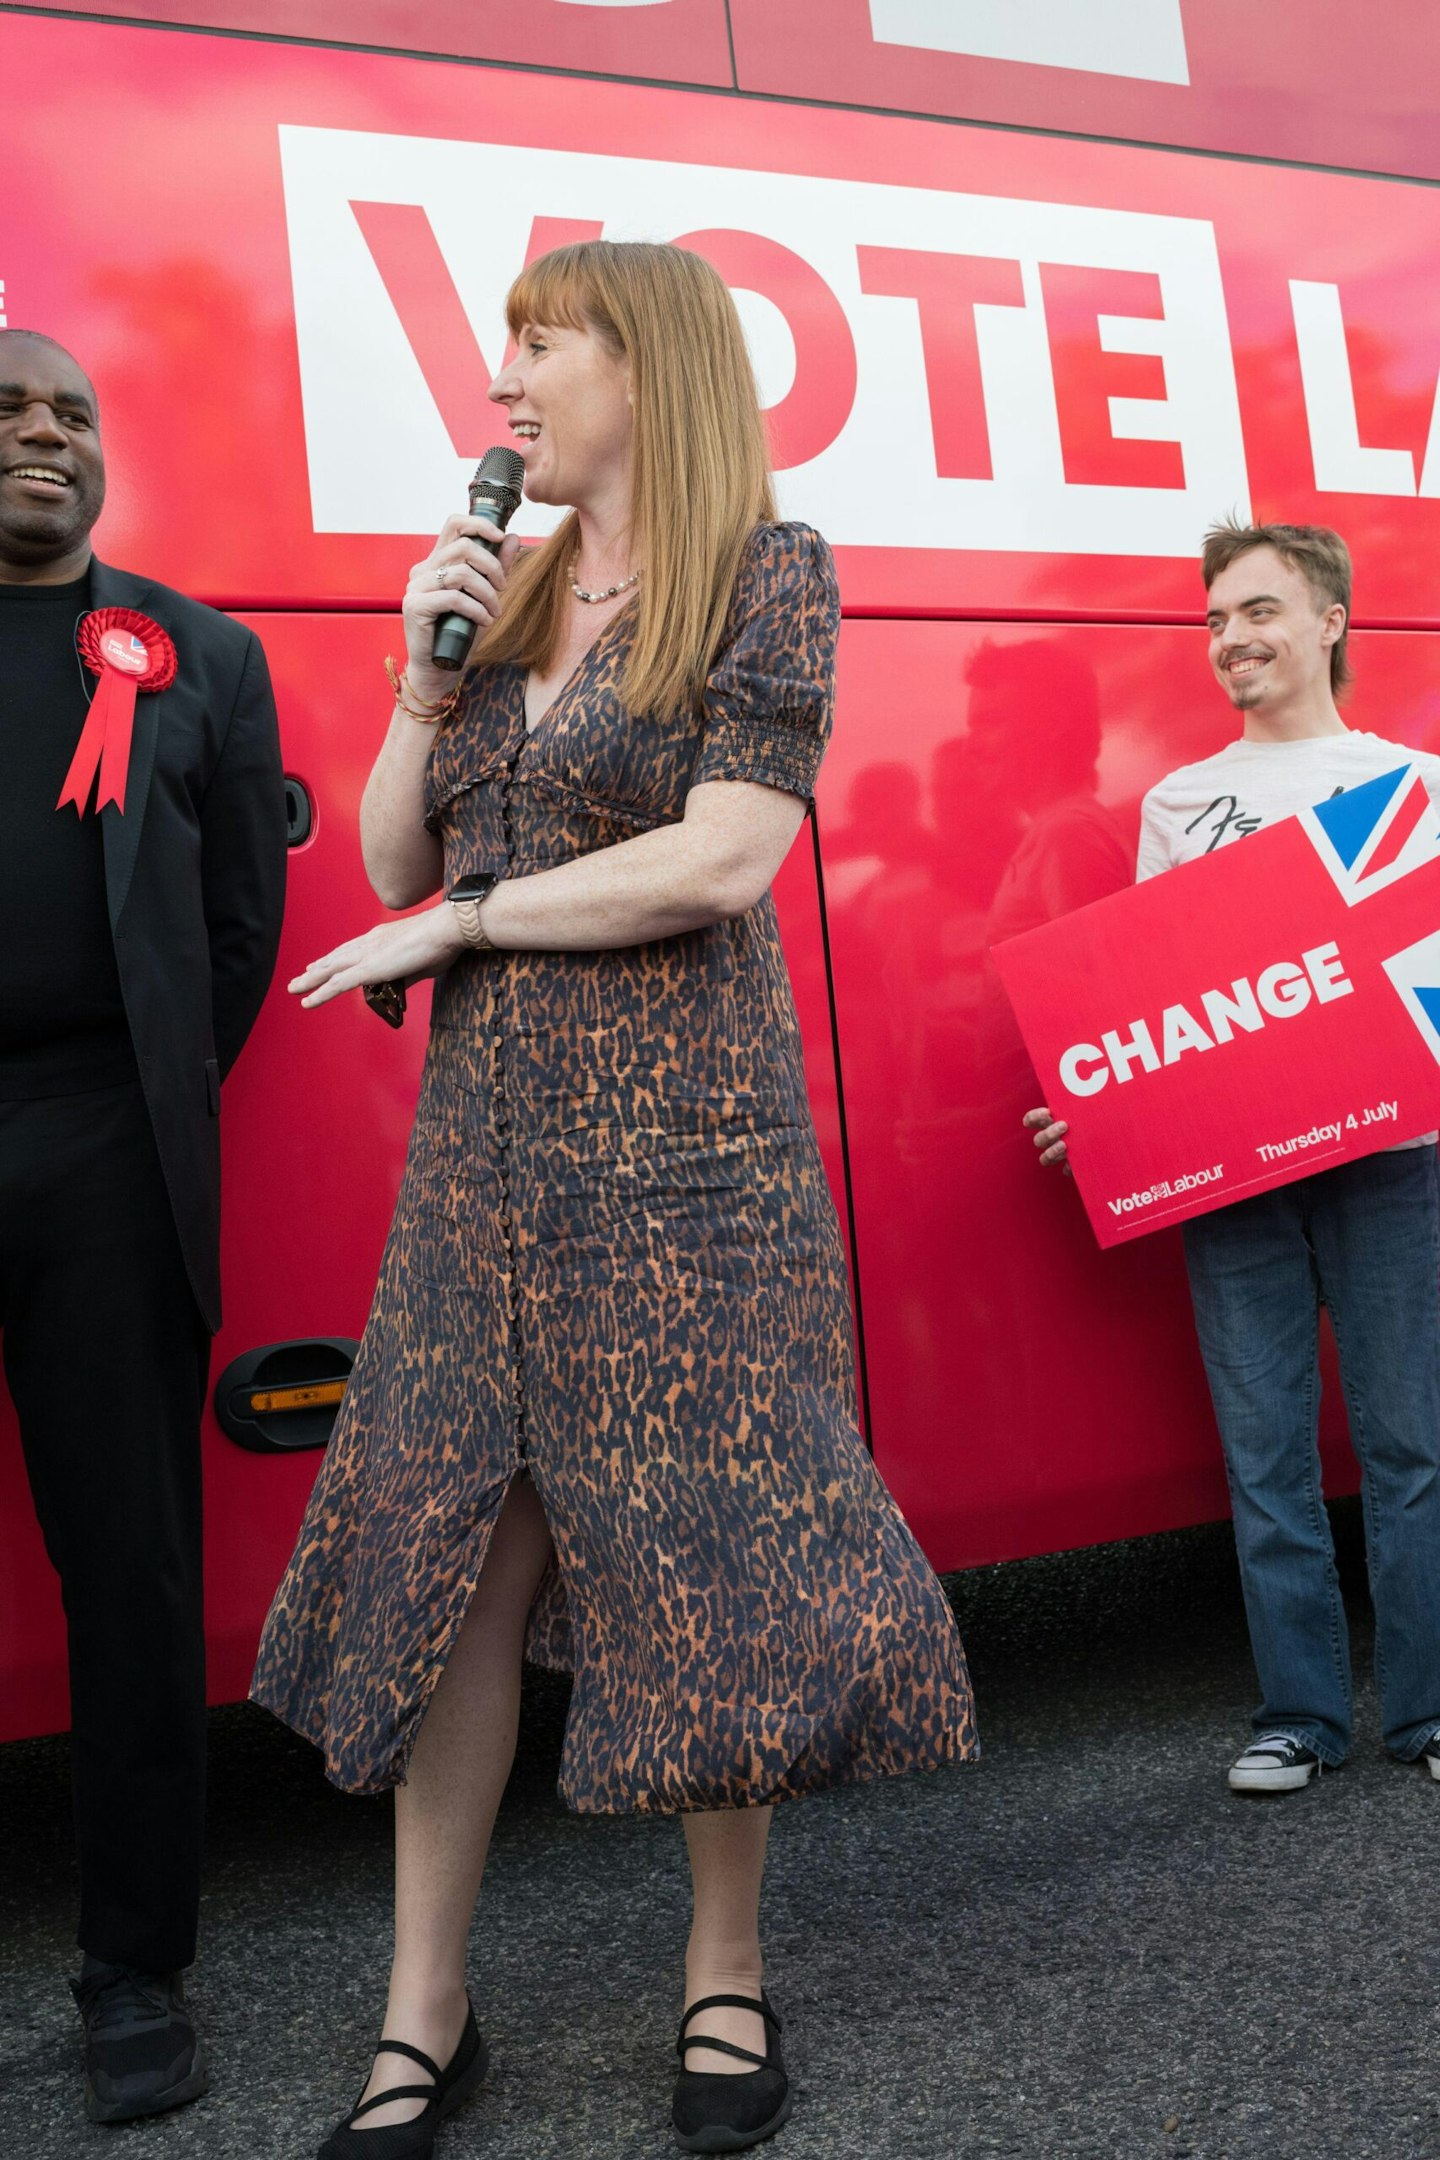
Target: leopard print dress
615	1265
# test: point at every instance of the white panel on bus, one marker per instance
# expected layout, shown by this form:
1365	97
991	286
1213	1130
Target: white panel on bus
1142	38
381	461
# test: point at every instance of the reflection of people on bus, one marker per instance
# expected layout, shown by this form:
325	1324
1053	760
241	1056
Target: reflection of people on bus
884	833
1034	712
1009	829
604	1404
1016	834
1363	1237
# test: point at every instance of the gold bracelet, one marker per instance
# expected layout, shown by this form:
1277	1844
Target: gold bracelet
426	719
433	713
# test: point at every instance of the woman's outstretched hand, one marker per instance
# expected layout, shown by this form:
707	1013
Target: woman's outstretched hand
404	951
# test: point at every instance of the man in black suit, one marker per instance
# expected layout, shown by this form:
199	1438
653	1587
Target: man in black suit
137	946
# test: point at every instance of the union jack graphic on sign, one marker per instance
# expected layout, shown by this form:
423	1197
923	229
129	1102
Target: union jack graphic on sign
1370	837
1415	972
1375	833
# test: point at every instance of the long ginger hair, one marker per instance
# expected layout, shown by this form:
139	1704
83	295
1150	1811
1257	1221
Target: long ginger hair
701	475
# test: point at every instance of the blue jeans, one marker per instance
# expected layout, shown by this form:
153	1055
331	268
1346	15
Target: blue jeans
1365	1238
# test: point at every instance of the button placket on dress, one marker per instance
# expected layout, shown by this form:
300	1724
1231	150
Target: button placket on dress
500	1134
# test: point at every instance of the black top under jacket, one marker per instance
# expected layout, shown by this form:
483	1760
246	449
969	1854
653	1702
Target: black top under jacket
194	883
62	1019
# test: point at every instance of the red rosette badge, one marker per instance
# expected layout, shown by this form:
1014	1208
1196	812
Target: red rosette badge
129	653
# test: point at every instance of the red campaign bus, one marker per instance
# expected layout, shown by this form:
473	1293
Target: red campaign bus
1027	314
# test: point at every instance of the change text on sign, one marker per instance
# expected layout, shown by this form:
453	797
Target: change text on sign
1278	992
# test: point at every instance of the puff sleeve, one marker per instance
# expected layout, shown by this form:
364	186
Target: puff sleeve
769	700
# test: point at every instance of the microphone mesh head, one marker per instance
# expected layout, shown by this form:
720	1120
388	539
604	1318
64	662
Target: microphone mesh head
500	468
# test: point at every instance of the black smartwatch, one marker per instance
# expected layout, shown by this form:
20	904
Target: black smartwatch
465	896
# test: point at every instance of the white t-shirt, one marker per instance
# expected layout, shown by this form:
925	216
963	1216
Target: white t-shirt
1220	799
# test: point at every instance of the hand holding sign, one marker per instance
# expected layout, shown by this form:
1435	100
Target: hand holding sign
1049	1137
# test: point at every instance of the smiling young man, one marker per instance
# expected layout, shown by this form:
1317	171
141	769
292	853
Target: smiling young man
137	946
1363	1239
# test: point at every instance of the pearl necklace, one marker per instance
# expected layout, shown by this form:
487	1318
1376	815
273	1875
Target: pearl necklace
609	592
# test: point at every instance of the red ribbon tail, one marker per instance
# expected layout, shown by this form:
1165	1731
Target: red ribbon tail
86	761
119	727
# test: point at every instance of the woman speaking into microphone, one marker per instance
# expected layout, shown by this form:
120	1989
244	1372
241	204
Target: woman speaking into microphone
603	1413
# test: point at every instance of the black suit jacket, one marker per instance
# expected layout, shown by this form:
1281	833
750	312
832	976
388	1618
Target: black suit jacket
195	878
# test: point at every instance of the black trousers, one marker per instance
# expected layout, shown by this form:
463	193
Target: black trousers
106	1358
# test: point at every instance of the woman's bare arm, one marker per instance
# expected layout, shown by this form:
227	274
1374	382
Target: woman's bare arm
710	867
713	865
403	862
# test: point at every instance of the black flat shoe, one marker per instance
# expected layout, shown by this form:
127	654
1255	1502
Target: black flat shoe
716	2113
413	2140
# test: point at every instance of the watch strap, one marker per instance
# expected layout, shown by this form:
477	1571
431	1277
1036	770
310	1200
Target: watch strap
467	908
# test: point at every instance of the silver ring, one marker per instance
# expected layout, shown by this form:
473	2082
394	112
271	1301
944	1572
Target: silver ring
442	577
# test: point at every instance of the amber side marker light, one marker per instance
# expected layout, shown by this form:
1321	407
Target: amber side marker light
284	1396
296	1398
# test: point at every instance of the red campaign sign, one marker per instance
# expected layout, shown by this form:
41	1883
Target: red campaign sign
1323	84
1004	374
1265	1012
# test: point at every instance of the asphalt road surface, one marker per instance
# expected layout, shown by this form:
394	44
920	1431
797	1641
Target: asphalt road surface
1081	1947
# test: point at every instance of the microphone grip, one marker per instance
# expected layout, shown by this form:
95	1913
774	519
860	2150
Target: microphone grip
455	634
488	500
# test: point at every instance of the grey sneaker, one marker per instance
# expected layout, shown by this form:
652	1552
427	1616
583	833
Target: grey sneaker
1429	1756
1274	1763
142	2054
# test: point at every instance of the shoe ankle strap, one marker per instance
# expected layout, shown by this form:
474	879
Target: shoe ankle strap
722	2047
414	2054
761	2006
395	2092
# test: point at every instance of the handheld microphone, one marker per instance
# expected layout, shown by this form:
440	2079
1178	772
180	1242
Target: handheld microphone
495	494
